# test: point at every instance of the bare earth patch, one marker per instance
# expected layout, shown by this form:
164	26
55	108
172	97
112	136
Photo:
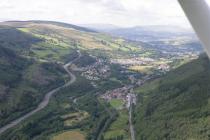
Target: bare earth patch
69	135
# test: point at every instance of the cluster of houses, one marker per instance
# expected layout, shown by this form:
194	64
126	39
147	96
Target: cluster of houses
125	94
133	61
142	61
91	74
164	67
131	99
96	71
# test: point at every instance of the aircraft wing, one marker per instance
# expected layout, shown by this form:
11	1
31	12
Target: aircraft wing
198	13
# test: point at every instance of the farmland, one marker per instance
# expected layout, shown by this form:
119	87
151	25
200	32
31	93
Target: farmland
69	135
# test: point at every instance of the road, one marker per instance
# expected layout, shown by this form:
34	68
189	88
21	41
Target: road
130	120
46	99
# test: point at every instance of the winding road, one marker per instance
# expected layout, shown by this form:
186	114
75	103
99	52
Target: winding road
46	99
130	109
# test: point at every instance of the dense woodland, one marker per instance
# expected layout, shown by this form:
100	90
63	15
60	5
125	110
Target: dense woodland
177	105
23	82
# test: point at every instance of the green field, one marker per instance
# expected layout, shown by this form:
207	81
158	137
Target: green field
117	103
142	69
69	135
119	128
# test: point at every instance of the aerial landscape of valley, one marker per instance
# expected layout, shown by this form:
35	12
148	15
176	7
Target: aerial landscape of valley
60	81
101	70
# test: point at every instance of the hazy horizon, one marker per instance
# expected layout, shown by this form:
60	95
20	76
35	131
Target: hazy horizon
123	13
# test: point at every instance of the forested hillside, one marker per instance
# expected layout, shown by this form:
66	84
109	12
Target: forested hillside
176	107
23	82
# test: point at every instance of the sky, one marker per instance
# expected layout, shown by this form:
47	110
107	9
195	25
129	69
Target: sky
124	13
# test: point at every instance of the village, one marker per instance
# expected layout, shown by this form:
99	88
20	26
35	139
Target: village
94	72
125	94
101	70
144	62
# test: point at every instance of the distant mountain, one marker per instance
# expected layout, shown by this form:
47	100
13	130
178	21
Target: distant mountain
161	28
151	33
161	38
177	105
101	27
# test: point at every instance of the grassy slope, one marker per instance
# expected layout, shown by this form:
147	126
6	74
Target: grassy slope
116	103
69	135
119	128
176	106
58	41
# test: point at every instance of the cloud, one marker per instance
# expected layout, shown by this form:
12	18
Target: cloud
118	12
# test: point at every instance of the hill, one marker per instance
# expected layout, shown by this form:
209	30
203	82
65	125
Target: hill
162	39
151	33
32	54
55	40
177	105
21	23
101	27
23	82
